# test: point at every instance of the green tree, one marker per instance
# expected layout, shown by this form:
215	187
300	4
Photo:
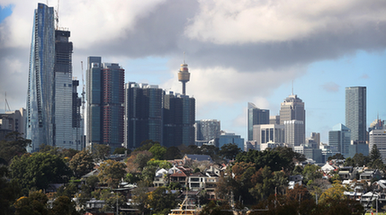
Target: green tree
172	153
13	145
360	160
64	206
81	163
68	190
142	159
34	204
311	172
229	151
39	170
9	191
145	145
111	198
264	184
158	151
121	150
376	158
100	152
111	172
161	200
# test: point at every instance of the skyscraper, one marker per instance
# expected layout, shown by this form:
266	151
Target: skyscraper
339	139
206	130
256	116
179	112
294	133
105	97
293	116
356	112
143	114
50	98
40	95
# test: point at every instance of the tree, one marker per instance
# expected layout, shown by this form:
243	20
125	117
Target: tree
13	145
158	151
121	150
334	193
376	158
161	200
82	163
100	152
337	156
35	203
142	158
229	151
264	185
172	153
9	191
64	206
311	172
111	172
39	170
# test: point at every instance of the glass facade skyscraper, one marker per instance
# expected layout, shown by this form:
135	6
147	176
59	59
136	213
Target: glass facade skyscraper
256	116
105	97
356	112
143	114
50	98
339	139
41	79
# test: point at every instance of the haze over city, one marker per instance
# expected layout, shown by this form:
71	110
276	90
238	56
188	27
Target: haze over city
237	52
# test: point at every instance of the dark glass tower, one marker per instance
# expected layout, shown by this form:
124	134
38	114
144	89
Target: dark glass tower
179	118
105	96
41	79
356	112
143	114
256	116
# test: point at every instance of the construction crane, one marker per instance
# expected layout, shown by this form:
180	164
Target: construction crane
57	17
83	90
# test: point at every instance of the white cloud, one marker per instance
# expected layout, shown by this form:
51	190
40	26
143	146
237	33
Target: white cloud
238	22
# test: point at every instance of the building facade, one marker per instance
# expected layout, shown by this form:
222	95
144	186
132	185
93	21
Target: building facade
50	103
356	112
294	133
40	94
12	121
256	116
179	112
271	133
143	114
339	139
105	98
206	130
378	137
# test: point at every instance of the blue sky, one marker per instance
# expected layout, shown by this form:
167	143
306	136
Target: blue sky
237	53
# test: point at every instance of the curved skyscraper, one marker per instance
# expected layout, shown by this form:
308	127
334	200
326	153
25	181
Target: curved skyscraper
40	95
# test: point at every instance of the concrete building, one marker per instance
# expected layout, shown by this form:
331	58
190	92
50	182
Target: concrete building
339	139
356	112
292	109
256	116
294	133
270	133
378	137
12	121
206	130
143	114
274	119
105	98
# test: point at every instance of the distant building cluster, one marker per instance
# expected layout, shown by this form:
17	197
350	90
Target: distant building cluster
112	112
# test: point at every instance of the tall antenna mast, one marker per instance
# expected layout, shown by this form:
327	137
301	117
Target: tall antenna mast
83	90
292	87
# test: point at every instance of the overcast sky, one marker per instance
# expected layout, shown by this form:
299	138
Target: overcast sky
238	51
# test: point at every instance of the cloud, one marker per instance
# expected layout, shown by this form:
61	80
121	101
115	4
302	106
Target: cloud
237	51
331	87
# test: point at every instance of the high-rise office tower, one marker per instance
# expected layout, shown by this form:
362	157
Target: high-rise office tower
339	139
293	109
179	113
378	137
207	129
66	134
356	112
50	91
268	133
40	95
105	97
256	116
294	133
143	114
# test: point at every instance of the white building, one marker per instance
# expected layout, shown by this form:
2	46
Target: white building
378	137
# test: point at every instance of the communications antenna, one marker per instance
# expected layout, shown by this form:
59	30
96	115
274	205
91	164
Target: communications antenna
83	90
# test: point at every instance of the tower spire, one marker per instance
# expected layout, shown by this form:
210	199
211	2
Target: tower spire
184	76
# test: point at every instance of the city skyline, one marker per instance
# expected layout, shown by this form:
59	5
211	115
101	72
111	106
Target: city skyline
227	70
